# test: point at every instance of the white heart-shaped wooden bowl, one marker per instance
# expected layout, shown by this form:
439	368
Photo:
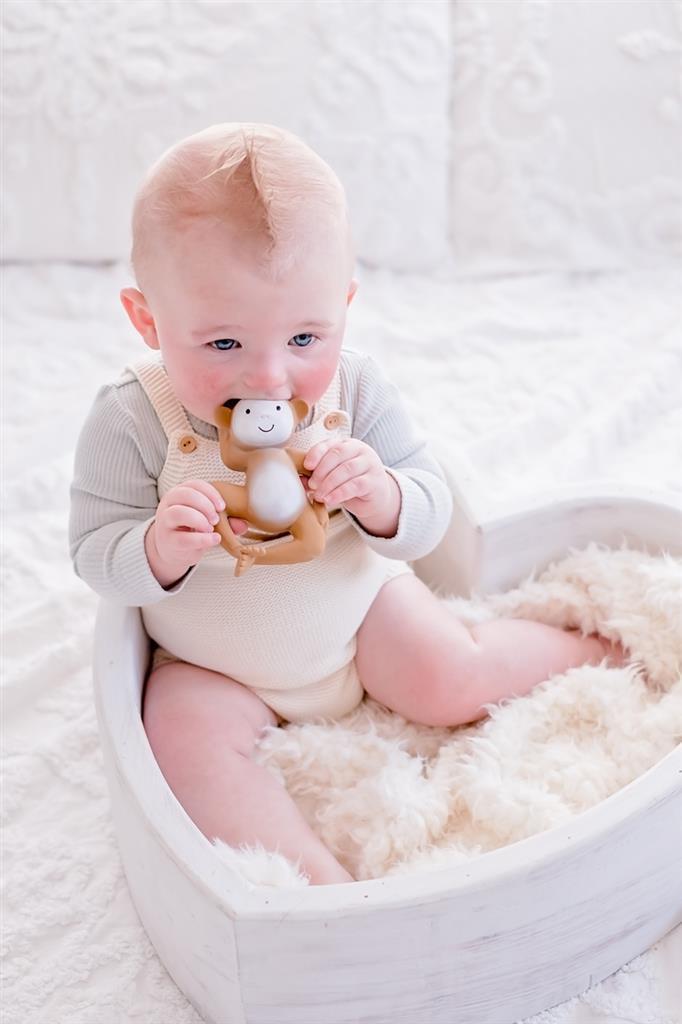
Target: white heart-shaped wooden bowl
490	941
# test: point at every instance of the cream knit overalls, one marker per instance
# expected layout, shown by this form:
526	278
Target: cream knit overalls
287	632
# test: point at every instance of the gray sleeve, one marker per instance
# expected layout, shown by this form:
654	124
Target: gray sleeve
381	420
114	496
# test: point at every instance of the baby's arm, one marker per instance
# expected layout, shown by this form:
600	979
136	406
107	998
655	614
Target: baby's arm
125	544
381	420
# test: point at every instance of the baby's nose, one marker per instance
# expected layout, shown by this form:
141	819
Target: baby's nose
266	379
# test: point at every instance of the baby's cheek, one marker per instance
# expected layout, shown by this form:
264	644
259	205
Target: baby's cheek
202	391
214	388
317	378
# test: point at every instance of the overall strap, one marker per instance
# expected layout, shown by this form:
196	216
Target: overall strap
152	375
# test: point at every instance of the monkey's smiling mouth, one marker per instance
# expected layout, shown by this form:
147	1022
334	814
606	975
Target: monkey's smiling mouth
268	430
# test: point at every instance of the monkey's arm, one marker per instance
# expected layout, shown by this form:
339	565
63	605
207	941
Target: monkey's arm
297	457
318	507
234	496
308	542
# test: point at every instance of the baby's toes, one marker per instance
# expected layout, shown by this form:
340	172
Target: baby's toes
616	654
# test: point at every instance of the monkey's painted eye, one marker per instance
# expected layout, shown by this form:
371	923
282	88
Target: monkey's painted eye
247	411
279	408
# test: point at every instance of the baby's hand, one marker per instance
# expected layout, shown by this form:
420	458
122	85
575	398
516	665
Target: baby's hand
183	526
349	473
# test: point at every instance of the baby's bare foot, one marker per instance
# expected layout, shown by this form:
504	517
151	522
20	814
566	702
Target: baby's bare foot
616	654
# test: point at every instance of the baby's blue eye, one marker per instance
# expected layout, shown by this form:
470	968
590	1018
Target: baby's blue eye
224	344
302	340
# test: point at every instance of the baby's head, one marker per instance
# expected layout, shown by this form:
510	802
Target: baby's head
243	257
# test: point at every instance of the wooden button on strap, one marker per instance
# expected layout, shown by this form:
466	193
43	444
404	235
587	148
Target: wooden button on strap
187	444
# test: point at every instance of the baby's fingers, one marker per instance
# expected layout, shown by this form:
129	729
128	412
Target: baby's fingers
354	470
182	517
203	488
208	489
190	497
337	453
238	525
187	542
315	453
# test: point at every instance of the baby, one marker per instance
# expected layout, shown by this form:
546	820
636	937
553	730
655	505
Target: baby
243	258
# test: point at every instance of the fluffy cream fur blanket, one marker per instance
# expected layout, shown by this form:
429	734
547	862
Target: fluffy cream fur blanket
390	797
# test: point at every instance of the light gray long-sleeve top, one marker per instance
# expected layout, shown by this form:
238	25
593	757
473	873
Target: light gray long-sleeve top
122	448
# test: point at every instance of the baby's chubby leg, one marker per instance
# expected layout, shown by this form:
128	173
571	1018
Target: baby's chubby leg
202	727
418	659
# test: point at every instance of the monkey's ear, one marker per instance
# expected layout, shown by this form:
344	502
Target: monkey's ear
222	417
300	408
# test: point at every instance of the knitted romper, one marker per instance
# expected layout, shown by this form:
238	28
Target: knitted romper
287	632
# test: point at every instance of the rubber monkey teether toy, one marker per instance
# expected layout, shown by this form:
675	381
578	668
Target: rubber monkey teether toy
253	436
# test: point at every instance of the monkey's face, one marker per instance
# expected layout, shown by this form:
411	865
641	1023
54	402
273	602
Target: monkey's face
262	423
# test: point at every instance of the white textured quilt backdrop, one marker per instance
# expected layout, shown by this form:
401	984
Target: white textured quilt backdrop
566	144
534	380
95	90
518	134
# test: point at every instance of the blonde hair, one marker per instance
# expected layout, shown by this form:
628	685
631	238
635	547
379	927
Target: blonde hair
262	181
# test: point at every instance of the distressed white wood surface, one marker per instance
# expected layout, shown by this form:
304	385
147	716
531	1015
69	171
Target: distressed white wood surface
490	548
504	936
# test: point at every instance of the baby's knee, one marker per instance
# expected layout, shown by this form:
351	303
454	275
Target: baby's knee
448	684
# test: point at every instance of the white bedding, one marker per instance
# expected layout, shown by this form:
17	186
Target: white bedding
536	381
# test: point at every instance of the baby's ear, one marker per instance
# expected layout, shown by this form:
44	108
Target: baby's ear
300	408
222	417
140	316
